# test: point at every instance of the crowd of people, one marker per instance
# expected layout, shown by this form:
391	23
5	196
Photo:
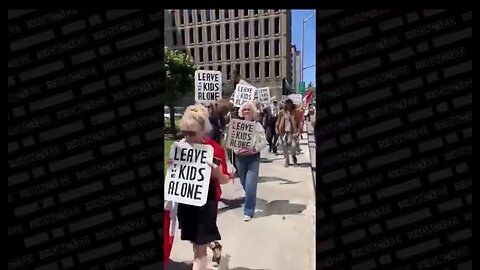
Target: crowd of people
276	124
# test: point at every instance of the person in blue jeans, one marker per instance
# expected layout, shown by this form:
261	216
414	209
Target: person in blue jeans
248	161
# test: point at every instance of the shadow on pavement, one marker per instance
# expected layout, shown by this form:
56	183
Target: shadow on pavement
278	207
269	160
303	165
231	204
178	265
226	261
264	179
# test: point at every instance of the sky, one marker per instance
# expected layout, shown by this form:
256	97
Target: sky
298	15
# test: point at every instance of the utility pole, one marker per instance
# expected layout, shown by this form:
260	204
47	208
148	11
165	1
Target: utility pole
303	45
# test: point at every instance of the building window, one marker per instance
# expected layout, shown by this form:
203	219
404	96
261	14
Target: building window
209	34
257	49
266	11
199	16
207	15
217	29
255	12
246	29
247	50
277	68
227	31
191	36
235	13
217	14
276	10
219	68
267	48
227	52
219	53
192	52
237	30
182	34
200	53
255	28
228	72
182	18
172	14
277	47
175	38
210	54
190	16
226	14
237	51
257	70
267	69
247	71
200	34
277	25
265	27
237	68
245	12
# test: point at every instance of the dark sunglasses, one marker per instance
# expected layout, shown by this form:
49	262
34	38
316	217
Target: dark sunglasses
187	133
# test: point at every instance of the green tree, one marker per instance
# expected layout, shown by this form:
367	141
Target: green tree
180	72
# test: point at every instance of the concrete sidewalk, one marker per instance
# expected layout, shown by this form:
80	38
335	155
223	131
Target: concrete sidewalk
281	235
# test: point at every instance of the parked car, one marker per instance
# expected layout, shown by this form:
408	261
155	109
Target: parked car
179	111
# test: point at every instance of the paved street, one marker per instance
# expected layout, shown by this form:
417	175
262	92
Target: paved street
281	236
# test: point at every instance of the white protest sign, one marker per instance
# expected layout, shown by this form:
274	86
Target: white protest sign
243	93
188	177
241	134
208	86
242	81
264	96
296	98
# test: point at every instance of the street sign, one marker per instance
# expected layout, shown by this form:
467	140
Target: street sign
301	88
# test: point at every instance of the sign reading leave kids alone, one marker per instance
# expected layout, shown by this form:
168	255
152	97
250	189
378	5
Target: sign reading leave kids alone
264	96
241	134
189	174
208	86
243	93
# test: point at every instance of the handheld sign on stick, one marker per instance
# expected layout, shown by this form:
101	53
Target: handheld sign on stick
208	86
296	98
264	96
243	93
241	134
189	174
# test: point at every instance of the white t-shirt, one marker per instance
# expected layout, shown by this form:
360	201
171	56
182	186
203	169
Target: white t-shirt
274	110
288	127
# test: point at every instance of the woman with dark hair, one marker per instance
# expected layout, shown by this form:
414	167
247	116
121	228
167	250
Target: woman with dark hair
213	116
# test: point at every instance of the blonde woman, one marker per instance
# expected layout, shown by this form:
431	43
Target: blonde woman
248	161
199	224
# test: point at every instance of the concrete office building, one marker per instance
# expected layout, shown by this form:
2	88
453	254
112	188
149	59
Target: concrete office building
296	68
255	42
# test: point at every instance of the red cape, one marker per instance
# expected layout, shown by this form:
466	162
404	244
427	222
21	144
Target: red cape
219	153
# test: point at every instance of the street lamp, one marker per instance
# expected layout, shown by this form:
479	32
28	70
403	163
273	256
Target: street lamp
302	52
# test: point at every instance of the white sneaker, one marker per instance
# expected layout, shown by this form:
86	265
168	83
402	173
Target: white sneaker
247	218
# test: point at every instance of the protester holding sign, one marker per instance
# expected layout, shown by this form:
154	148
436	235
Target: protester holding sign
198	224
247	158
288	129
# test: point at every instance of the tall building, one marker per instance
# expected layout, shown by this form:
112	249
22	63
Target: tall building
296	68
255	42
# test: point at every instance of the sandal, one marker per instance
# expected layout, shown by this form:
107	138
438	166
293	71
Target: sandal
217	252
